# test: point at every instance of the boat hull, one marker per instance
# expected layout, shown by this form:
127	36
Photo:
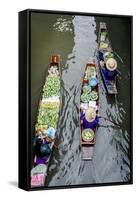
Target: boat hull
40	168
110	85
87	148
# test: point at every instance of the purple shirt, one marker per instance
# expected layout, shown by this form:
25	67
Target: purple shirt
87	124
43	160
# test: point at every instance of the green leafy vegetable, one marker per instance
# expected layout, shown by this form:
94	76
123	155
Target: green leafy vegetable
85	97
88	135
104	33
51	87
93	96
91	71
103	45
86	89
109	55
47	118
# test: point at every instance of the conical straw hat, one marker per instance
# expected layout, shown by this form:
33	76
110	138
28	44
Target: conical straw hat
111	64
90	114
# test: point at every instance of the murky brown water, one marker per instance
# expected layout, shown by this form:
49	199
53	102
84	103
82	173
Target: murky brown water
75	39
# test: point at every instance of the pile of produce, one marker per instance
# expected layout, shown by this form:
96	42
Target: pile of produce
93	96
51	87
91	71
103	35
103	45
50	105
88	135
49	108
47	118
86	89
109	55
85	97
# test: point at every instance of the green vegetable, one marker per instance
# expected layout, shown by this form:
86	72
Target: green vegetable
85	97
86	89
88	135
91	71
50	105
93	96
103	36
103	45
104	33
47	118
51	87
49	110
109	55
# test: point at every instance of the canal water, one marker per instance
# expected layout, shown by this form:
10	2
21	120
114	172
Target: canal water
75	39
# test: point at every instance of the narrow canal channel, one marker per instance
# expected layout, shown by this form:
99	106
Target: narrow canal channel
75	39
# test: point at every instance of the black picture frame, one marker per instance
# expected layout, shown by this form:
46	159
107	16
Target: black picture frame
25	99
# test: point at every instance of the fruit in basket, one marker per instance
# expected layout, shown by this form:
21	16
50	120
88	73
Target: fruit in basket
88	135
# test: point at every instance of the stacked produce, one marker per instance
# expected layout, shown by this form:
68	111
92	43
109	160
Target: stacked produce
48	115
93	95
88	135
49	108
103	35
103	45
91	72
51	87
88	92
46	125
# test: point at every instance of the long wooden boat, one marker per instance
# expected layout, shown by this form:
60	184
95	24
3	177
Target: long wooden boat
87	146
104	45
47	123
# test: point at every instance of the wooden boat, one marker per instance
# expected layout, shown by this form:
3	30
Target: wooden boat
46	128
88	146
104	45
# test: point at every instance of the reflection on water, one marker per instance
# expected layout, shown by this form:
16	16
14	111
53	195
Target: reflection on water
111	153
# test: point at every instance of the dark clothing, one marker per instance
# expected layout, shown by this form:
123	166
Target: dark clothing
109	75
101	56
42	151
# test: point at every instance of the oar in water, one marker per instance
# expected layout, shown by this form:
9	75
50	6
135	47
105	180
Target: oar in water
110	121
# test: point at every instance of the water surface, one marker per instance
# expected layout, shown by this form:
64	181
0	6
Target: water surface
75	39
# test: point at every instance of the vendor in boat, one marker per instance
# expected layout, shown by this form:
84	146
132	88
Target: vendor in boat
42	146
89	118
108	64
109	69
